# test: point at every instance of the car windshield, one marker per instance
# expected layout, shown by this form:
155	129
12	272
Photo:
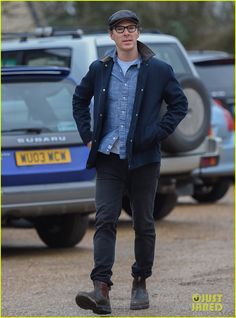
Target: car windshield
168	52
34	107
219	79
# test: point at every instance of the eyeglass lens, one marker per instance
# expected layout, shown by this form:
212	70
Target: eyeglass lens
131	28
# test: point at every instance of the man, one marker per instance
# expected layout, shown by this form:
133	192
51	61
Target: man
128	86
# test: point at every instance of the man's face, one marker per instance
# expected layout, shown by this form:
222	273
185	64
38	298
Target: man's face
127	40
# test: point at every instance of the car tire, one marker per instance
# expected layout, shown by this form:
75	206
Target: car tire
59	231
210	193
164	204
193	129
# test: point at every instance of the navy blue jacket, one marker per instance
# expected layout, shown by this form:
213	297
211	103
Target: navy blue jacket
156	82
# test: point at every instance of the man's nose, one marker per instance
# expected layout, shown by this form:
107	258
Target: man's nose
126	31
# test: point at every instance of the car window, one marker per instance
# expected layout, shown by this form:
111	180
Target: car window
171	54
168	52
38	104
218	78
10	58
38	57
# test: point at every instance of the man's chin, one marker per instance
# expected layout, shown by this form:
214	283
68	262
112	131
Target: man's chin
127	47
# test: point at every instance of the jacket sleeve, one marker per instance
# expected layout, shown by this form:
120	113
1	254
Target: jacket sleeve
80	102
177	106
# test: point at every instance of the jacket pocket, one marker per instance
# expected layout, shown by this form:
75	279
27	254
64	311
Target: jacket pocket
145	138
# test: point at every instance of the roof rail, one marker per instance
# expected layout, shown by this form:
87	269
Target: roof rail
23	36
42	33
50	31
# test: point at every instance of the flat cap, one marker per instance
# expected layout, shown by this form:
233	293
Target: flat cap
122	15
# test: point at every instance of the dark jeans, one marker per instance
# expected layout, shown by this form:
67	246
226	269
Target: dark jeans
113	177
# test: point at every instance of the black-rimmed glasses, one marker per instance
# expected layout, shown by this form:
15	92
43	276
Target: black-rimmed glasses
130	28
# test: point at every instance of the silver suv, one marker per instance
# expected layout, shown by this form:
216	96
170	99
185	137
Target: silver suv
187	149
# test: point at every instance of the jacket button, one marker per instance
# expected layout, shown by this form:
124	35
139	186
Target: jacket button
105	65
141	89
136	115
95	140
103	89
131	140
100	114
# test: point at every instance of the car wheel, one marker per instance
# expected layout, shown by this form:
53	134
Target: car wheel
61	230
209	193
164	204
193	129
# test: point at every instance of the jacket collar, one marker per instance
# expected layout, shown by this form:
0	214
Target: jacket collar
145	52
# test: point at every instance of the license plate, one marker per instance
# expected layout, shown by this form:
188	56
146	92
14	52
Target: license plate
42	157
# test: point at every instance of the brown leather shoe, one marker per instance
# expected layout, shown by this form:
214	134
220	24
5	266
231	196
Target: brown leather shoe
139	295
98	300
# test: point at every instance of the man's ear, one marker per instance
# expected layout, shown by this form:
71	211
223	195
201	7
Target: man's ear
138	33
111	34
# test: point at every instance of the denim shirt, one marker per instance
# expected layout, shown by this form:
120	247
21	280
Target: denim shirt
121	94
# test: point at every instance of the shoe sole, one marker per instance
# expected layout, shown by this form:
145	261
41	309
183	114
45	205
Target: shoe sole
86	302
139	307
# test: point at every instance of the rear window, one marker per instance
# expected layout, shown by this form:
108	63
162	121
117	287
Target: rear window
218	78
38	57
168	52
40	105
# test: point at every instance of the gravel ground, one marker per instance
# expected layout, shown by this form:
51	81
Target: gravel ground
194	255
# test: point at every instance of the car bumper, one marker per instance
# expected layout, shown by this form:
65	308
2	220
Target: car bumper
225	165
177	171
36	200
185	163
